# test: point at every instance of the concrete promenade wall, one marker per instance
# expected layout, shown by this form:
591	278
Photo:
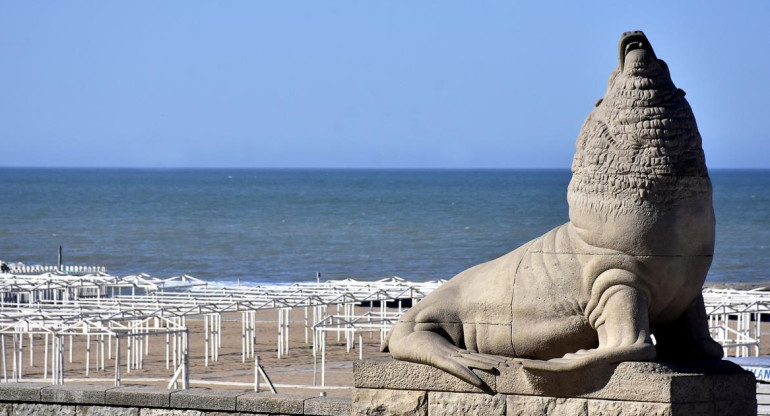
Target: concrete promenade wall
89	400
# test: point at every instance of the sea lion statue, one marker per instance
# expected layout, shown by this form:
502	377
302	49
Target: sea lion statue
628	266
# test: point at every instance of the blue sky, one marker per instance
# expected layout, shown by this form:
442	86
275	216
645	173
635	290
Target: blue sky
421	84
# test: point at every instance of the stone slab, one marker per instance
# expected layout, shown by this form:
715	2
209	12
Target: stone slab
106	411
387	373
240	414
735	387
139	396
74	393
550	406
705	381
634	381
625	408
471	404
376	402
327	406
169	412
270	403
205	399
21	392
40	409
737	407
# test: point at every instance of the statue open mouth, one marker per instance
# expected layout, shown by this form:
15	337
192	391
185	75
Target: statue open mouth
634	41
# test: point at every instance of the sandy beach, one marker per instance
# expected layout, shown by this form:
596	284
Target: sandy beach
295	368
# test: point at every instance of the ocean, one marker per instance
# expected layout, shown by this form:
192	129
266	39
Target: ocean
285	225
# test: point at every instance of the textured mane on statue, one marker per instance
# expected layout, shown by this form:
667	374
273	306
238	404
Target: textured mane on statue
630	262
640	147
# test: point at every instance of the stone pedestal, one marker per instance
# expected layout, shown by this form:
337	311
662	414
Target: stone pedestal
709	388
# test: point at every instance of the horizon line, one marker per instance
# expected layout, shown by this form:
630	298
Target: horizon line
318	168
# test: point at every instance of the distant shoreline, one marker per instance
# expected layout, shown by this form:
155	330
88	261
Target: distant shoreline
737	285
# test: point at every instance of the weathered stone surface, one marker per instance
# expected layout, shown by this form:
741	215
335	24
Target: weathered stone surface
735	387
378	402
737	407
5	409
327	406
617	408
241	414
74	393
632	381
205	399
470	404
139	396
21	392
402	375
169	412
107	411
270	403
545	406
39	409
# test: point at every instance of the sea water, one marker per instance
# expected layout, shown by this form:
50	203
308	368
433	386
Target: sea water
282	226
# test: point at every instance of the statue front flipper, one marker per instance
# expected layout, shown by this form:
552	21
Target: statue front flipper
621	321
407	342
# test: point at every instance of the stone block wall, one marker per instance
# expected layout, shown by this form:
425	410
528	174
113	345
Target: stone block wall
21	399
763	399
389	387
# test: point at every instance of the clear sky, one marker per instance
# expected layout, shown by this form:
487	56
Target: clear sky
422	84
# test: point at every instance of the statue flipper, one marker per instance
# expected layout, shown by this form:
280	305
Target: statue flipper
622	324
428	347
